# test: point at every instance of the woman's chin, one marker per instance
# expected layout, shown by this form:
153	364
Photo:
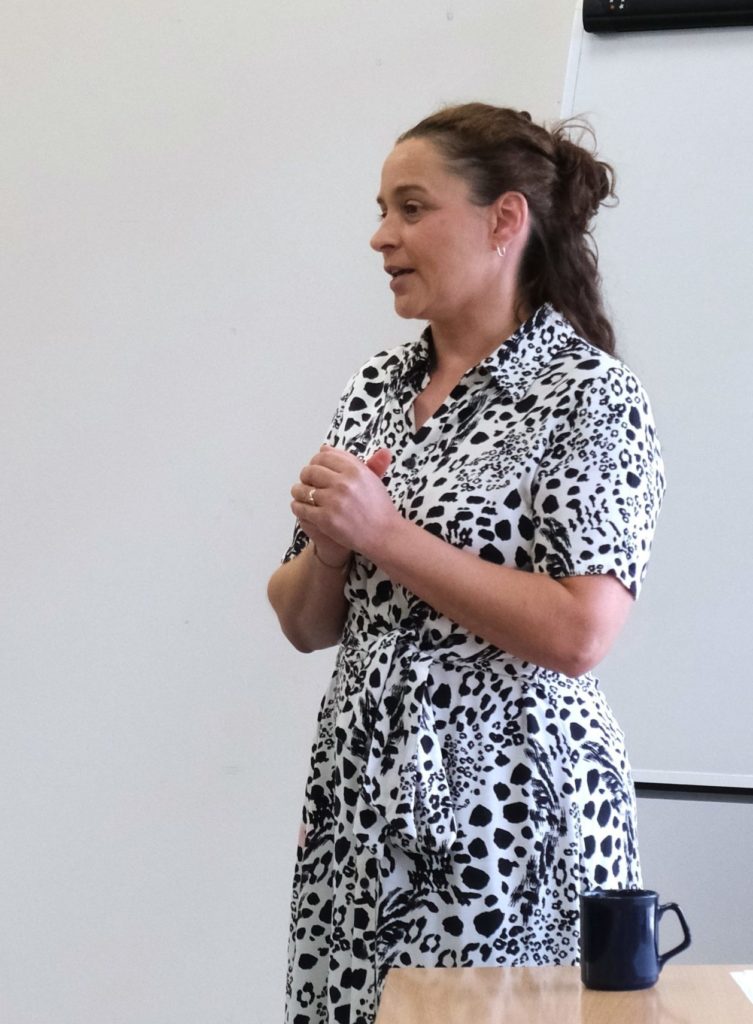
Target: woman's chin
408	310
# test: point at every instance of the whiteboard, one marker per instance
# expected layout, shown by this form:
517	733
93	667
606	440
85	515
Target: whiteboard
671	111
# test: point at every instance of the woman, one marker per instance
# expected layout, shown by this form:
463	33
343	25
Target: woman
473	535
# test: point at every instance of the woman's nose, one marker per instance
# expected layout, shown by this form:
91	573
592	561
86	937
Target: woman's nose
383	237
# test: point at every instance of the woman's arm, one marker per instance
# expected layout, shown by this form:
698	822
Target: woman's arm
308	597
567	625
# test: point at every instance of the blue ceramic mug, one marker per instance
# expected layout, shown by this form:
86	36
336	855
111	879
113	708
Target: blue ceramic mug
619	938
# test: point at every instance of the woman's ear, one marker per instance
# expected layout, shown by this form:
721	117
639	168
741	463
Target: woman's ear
509	219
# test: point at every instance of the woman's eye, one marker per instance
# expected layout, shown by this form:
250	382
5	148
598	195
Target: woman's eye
409	209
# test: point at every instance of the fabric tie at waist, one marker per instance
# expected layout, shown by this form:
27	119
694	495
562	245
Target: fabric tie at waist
404	797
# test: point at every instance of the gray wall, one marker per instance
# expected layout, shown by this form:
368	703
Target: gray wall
696	851
676	259
186	285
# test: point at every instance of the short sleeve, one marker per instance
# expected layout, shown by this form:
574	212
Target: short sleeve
598	489
333	437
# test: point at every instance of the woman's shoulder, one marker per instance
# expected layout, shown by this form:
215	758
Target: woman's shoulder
586	386
389	366
589	367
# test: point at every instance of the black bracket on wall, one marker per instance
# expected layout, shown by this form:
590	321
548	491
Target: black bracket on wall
674	790
642	15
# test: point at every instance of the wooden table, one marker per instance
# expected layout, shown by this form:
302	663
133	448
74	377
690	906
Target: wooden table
555	995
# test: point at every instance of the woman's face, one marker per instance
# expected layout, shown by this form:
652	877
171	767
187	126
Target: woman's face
437	246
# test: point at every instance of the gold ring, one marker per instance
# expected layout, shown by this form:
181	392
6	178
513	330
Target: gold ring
312	492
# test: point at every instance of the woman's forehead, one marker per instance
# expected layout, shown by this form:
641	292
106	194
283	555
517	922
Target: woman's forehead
418	163
413	156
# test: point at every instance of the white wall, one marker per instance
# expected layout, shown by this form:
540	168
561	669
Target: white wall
186	284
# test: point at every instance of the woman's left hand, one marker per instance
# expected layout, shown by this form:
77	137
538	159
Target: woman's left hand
351	504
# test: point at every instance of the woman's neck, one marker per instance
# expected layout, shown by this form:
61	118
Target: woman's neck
466	342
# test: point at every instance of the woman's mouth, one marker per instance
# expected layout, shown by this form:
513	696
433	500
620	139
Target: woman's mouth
397	274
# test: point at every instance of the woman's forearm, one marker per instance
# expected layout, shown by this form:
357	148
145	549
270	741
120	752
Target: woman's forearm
309	601
566	625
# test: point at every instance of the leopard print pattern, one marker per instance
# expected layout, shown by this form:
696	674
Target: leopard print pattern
460	798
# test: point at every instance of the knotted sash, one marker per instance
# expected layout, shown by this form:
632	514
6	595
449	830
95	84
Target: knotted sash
404	795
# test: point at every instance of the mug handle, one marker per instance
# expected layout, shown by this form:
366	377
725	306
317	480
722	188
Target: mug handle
686	932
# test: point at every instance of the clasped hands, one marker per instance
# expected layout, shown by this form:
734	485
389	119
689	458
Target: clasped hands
351	509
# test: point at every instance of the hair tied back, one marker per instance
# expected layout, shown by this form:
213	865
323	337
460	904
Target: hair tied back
584	181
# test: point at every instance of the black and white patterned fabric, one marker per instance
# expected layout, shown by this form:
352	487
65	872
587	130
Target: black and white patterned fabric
459	797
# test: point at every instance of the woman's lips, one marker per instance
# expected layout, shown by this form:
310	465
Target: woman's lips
398	277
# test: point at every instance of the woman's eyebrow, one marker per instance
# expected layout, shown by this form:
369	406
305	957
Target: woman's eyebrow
401	190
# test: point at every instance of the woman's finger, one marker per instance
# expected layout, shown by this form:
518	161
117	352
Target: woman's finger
304	511
379	461
336	459
317	476
306	495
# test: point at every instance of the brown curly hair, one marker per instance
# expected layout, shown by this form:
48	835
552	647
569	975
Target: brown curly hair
497	150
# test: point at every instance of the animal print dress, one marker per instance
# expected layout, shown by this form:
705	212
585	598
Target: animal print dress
459	797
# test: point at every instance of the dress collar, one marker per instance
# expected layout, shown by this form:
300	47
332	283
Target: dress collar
515	364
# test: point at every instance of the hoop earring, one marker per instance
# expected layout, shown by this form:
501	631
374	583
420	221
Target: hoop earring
501	251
